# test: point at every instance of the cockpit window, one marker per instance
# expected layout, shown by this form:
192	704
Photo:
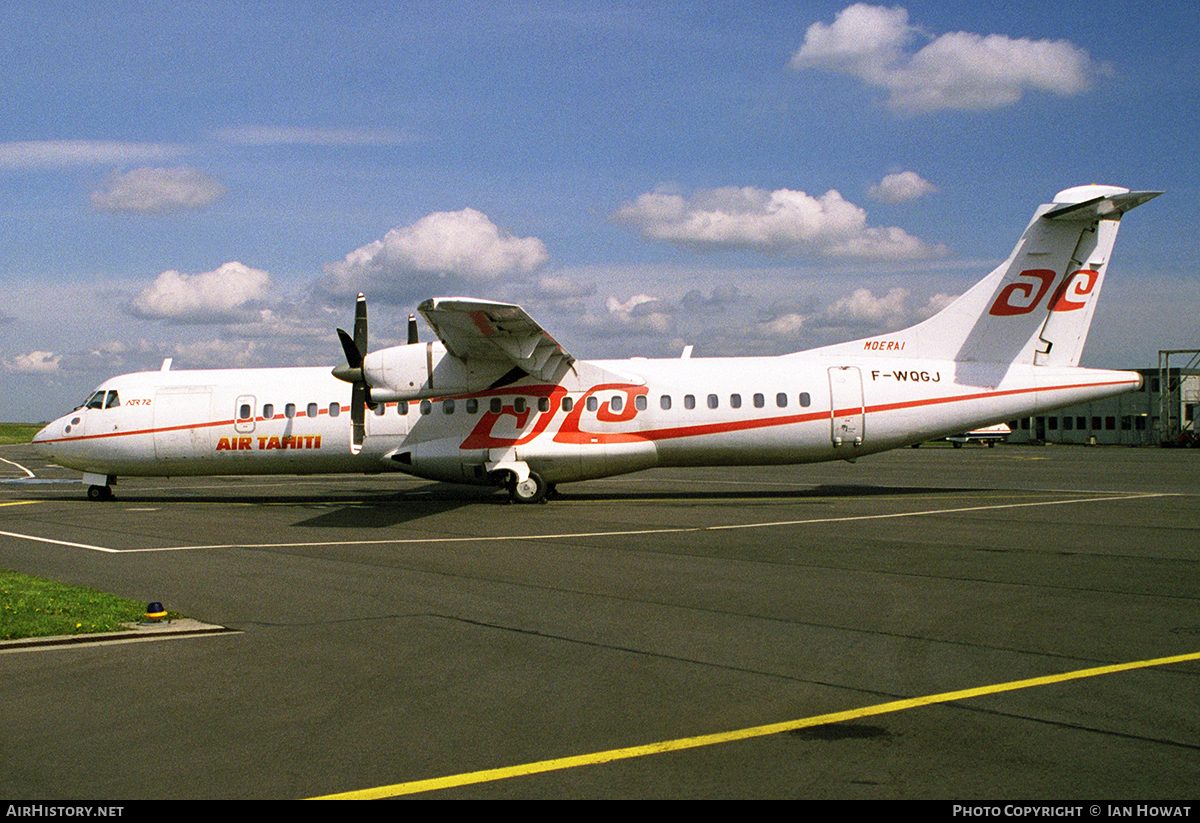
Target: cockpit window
113	401
96	401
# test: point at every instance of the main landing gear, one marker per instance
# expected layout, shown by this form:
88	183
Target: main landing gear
532	489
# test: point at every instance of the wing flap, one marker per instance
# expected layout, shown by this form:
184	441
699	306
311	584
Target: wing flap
487	330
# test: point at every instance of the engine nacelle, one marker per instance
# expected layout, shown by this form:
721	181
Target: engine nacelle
421	370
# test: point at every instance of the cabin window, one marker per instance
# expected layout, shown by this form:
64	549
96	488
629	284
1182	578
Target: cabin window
760	401
312	409
268	411
543	404
689	401
639	402
781	400
664	402
735	401
712	401
472	405
496	406
244	412
567	404
448	406
592	403
402	407
426	407
112	402
289	411
334	409
380	409
616	403
519	405
805	400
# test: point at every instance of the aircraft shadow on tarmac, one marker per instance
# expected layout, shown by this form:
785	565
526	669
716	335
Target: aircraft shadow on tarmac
394	509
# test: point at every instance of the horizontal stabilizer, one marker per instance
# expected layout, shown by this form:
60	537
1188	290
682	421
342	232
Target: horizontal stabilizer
1105	207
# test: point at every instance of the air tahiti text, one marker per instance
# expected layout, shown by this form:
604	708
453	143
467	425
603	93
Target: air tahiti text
297	441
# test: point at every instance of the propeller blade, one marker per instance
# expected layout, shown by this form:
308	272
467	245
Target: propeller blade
412	330
353	357
358	416
355	349
360	326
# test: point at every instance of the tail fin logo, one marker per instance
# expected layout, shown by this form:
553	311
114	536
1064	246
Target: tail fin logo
1023	293
1075	285
1023	297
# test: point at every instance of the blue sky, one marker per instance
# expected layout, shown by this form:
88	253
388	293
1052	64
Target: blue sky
213	181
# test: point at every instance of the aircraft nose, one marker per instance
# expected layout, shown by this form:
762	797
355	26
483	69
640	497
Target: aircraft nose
41	440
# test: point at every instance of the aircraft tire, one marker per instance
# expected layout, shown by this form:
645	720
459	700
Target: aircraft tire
532	490
99	493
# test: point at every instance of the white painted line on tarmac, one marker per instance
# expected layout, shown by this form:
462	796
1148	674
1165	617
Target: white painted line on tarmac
28	473
638	532
576	535
36	539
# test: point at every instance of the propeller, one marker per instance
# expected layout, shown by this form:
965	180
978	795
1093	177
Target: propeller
355	349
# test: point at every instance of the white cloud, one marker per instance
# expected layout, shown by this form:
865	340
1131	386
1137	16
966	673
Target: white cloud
217	354
959	70
787	325
463	245
863	308
298	136
557	287
36	362
641	313
216	296
902	187
860	313
156	190
53	154
777	222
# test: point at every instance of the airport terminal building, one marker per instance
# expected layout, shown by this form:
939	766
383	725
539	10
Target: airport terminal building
1146	417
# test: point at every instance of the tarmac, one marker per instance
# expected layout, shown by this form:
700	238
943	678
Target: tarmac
1007	623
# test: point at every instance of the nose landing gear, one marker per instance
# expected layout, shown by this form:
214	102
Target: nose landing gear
100	493
99	486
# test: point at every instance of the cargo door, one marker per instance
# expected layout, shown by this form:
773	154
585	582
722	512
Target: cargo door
183	423
846	405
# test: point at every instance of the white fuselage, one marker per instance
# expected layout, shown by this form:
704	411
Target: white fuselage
685	412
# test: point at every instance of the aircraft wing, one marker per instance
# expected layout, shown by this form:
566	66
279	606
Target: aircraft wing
502	332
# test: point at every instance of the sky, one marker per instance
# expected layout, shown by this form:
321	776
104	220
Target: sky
214	182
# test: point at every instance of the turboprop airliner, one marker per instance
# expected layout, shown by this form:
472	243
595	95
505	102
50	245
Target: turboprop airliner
495	400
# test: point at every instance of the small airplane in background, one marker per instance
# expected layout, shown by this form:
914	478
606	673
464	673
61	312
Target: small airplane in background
497	401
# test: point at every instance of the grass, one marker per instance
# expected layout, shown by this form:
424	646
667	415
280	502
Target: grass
34	607
18	432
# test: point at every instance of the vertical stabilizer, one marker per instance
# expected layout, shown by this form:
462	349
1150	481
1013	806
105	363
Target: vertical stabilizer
1034	308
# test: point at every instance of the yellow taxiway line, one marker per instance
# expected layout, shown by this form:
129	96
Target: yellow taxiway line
662	747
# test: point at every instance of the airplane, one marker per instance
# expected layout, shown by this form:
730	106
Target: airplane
495	400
